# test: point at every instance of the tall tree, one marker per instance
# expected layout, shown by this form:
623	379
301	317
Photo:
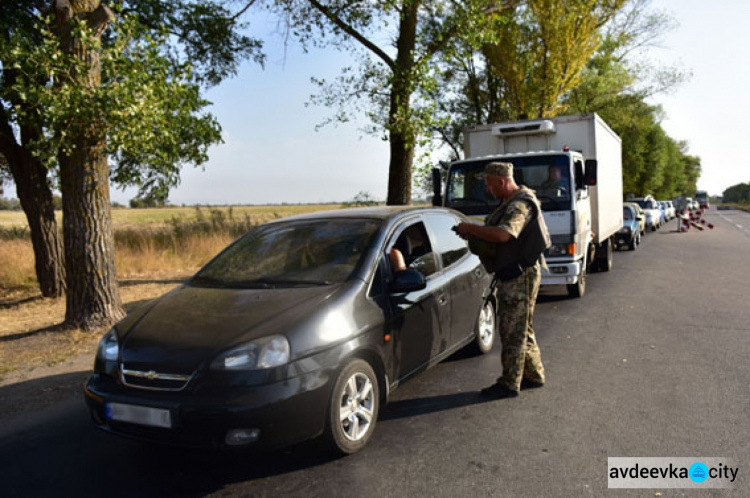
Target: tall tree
392	71
93	298
20	127
165	131
541	52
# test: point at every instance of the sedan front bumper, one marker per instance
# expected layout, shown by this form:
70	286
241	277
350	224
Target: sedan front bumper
281	413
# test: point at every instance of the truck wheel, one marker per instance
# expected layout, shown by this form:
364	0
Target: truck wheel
353	408
605	264
578	289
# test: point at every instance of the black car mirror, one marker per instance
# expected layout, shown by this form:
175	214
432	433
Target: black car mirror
407	281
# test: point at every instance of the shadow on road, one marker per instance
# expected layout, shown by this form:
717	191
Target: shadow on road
421	406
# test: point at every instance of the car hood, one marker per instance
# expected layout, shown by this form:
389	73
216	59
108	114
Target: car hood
191	325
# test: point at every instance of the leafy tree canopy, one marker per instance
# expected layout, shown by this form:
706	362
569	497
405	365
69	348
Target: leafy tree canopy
156	56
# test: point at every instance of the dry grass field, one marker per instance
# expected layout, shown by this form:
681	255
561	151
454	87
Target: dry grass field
155	249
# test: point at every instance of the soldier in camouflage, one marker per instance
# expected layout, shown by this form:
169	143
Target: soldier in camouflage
511	244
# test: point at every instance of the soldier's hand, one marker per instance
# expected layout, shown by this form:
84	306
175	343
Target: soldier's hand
462	230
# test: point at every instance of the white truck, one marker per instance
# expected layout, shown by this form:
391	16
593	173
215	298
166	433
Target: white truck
574	163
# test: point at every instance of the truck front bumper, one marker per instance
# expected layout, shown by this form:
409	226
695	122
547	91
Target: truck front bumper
561	273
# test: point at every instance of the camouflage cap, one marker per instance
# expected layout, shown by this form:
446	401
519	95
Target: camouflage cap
496	169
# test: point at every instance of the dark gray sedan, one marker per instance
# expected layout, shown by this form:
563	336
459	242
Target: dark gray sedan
299	328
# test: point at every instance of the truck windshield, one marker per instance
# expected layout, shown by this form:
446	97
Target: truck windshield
548	175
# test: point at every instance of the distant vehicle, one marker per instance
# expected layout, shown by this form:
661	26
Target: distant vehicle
652	211
630	234
668	209
640	216
702	197
662	213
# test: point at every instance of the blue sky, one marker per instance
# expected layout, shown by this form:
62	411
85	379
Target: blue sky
711	111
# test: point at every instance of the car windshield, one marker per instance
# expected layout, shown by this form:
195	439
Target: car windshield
548	175
646	204
627	214
302	253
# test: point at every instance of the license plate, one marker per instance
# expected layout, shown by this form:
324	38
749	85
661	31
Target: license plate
142	415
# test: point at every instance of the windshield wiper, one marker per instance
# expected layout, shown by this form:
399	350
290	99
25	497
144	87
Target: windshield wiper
204	280
293	282
470	200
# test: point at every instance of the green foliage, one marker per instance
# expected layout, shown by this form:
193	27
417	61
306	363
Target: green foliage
739	193
155	57
362	199
578	57
9	204
148	106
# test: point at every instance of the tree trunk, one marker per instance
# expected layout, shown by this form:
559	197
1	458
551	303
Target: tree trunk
33	190
30	177
93	298
400	125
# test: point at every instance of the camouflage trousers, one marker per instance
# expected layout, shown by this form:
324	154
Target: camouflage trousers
520	352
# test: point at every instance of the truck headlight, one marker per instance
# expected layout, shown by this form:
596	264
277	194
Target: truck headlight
562	249
267	352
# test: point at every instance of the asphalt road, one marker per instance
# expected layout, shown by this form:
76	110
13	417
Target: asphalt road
652	362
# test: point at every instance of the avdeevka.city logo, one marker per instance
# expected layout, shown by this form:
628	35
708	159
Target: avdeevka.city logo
698	472
668	472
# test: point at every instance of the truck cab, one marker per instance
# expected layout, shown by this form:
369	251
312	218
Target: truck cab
582	224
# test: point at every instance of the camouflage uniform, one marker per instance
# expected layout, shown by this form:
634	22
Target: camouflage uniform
516	300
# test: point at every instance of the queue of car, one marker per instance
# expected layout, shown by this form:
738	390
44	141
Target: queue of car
639	215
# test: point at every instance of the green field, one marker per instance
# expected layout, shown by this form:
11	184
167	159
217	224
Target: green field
124	217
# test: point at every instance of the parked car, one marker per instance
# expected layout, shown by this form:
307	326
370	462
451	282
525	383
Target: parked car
299	328
630	233
639	215
652	211
671	209
689	203
668	209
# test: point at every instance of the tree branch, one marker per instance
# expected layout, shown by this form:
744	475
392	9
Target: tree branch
241	11
353	33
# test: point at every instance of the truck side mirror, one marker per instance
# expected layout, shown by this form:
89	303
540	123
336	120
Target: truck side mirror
578	171
437	197
590	176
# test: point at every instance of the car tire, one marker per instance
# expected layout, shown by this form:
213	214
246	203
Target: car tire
353	408
485	330
634	243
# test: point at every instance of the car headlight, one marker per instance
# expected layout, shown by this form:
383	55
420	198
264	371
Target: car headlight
109	348
268	352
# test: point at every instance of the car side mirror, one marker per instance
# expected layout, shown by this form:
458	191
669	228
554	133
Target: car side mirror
407	281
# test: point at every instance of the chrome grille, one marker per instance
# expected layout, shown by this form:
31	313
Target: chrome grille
152	380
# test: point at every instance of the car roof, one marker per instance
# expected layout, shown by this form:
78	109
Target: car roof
376	212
